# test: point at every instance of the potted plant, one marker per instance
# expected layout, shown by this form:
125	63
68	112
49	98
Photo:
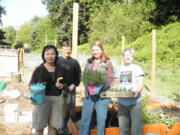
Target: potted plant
92	79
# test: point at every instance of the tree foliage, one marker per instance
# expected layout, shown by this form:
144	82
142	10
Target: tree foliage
23	34
61	14
113	20
167	11
10	35
39	30
2	11
167	45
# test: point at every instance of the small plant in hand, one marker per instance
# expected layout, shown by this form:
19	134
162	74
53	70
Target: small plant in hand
93	78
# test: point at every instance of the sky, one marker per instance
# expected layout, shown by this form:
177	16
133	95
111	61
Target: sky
19	12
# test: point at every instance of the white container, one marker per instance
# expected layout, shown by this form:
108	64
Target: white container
11	113
25	117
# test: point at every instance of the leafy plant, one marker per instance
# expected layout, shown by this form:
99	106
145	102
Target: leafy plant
93	77
148	118
118	90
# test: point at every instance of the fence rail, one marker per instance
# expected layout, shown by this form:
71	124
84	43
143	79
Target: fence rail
12	57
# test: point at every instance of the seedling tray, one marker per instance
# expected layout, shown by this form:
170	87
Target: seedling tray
117	94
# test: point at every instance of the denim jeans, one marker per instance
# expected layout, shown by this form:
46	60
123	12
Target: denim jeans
130	116
101	113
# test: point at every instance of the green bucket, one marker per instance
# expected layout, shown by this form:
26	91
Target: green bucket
37	93
2	85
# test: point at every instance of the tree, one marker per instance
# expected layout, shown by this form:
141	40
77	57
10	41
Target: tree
1	37
23	34
61	15
113	20
167	11
39	30
10	35
2	11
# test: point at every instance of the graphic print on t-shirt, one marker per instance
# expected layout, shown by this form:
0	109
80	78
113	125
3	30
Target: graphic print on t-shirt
126	77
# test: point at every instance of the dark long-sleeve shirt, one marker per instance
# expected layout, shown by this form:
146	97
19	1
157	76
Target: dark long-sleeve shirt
42	75
72	70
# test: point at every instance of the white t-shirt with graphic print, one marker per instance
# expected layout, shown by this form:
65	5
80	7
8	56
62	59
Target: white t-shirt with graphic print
126	76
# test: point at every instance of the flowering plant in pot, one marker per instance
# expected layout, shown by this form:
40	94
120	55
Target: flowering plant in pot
93	79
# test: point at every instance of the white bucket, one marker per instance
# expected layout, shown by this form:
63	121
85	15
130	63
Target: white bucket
11	113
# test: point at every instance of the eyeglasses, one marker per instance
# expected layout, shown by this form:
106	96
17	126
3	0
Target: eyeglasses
128	55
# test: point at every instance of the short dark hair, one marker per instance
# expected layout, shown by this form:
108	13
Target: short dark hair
66	43
47	47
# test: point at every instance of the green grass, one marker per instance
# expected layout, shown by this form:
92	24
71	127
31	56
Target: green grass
167	82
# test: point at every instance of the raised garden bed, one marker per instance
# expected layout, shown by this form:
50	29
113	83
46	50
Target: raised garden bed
112	122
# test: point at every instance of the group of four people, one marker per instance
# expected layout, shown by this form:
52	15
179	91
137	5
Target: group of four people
51	112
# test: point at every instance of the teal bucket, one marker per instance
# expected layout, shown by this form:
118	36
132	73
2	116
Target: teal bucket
37	93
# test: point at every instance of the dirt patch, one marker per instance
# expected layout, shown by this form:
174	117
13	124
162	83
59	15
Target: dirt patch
24	105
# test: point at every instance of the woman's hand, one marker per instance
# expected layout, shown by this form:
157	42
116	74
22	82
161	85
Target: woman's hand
114	84
135	94
59	85
98	89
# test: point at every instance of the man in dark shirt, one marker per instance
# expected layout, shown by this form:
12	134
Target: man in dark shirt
71	78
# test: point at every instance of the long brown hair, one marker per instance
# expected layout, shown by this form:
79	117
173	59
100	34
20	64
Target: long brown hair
104	56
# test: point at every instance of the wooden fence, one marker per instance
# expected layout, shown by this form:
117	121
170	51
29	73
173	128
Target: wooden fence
10	60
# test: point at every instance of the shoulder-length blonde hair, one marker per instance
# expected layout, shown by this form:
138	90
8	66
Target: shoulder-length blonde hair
104	56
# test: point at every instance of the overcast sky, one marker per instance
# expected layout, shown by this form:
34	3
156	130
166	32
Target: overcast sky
20	11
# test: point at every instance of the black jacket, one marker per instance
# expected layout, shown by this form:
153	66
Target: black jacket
72	70
41	75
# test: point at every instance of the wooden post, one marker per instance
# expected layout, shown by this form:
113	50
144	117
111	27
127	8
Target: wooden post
153	60
23	55
18	53
46	41
123	40
75	30
55	42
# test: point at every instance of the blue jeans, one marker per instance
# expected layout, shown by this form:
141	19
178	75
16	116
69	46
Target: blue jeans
101	113
130	115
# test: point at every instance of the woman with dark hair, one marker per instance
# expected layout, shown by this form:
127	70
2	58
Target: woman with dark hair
99	61
51	111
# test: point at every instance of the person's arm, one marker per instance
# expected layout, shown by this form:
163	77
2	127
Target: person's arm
114	83
34	77
60	75
77	74
140	85
109	76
